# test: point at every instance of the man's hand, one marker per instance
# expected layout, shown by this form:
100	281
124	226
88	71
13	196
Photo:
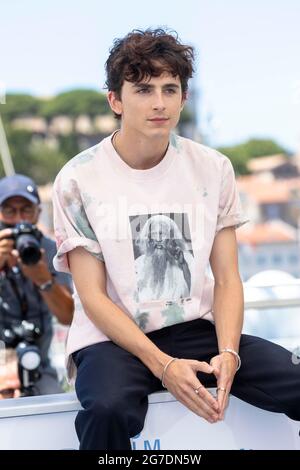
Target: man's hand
224	366
38	273
181	380
6	247
175	252
177	257
9	381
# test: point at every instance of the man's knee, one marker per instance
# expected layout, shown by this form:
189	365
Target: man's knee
109	409
118	412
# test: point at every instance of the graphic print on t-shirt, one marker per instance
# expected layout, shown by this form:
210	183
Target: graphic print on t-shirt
163	256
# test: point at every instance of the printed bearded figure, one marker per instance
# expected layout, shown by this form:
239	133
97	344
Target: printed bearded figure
165	265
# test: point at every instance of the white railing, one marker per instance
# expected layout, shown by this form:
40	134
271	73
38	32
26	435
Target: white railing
47	422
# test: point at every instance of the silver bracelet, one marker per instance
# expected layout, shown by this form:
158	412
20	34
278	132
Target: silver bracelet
236	355
165	369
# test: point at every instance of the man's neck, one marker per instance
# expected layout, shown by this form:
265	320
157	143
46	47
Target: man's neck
139	152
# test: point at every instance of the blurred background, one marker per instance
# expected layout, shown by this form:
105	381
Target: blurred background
244	100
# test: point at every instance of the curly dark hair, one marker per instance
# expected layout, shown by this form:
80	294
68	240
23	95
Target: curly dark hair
144	54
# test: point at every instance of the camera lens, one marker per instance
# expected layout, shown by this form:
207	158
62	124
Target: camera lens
29	248
29	356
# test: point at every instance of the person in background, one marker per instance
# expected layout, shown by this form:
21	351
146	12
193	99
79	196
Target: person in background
30	293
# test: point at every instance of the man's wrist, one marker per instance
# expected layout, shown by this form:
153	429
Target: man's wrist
46	286
165	370
233	353
155	361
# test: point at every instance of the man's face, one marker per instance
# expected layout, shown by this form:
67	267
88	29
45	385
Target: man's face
158	237
17	209
152	107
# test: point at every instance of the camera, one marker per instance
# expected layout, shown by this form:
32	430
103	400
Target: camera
22	338
24	332
27	239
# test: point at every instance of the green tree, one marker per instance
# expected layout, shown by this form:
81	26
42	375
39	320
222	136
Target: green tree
68	144
254	148
33	158
75	102
45	162
19	144
19	105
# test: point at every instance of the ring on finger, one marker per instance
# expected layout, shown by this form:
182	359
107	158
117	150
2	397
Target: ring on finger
197	389
222	389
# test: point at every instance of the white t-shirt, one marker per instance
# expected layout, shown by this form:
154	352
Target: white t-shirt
153	229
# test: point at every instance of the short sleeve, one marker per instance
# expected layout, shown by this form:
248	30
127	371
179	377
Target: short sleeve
50	251
230	210
71	225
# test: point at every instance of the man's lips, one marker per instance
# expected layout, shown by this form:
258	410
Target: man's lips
158	119
160	246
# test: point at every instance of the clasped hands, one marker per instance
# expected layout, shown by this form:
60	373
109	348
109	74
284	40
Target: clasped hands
181	380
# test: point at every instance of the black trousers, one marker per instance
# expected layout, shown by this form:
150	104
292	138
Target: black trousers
113	386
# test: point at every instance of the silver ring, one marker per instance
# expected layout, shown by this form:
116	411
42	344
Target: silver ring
197	389
222	389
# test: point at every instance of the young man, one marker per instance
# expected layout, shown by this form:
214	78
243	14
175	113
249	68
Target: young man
138	218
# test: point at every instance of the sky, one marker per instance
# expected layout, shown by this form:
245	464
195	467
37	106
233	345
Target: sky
247	56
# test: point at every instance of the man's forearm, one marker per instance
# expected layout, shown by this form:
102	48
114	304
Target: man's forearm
229	313
122	330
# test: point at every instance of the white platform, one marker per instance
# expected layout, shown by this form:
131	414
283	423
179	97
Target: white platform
47	422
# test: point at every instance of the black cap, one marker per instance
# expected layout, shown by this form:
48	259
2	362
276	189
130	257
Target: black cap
18	185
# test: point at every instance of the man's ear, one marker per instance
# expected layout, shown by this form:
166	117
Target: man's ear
115	102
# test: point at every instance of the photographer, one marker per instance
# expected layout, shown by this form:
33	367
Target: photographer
30	289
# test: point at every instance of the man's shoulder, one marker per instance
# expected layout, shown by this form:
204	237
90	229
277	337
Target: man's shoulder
199	151
82	161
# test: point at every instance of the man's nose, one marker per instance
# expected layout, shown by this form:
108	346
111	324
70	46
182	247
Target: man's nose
158	237
18	216
158	103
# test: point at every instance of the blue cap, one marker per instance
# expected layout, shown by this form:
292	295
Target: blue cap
18	185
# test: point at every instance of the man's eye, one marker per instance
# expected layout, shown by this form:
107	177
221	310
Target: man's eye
143	90
170	91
